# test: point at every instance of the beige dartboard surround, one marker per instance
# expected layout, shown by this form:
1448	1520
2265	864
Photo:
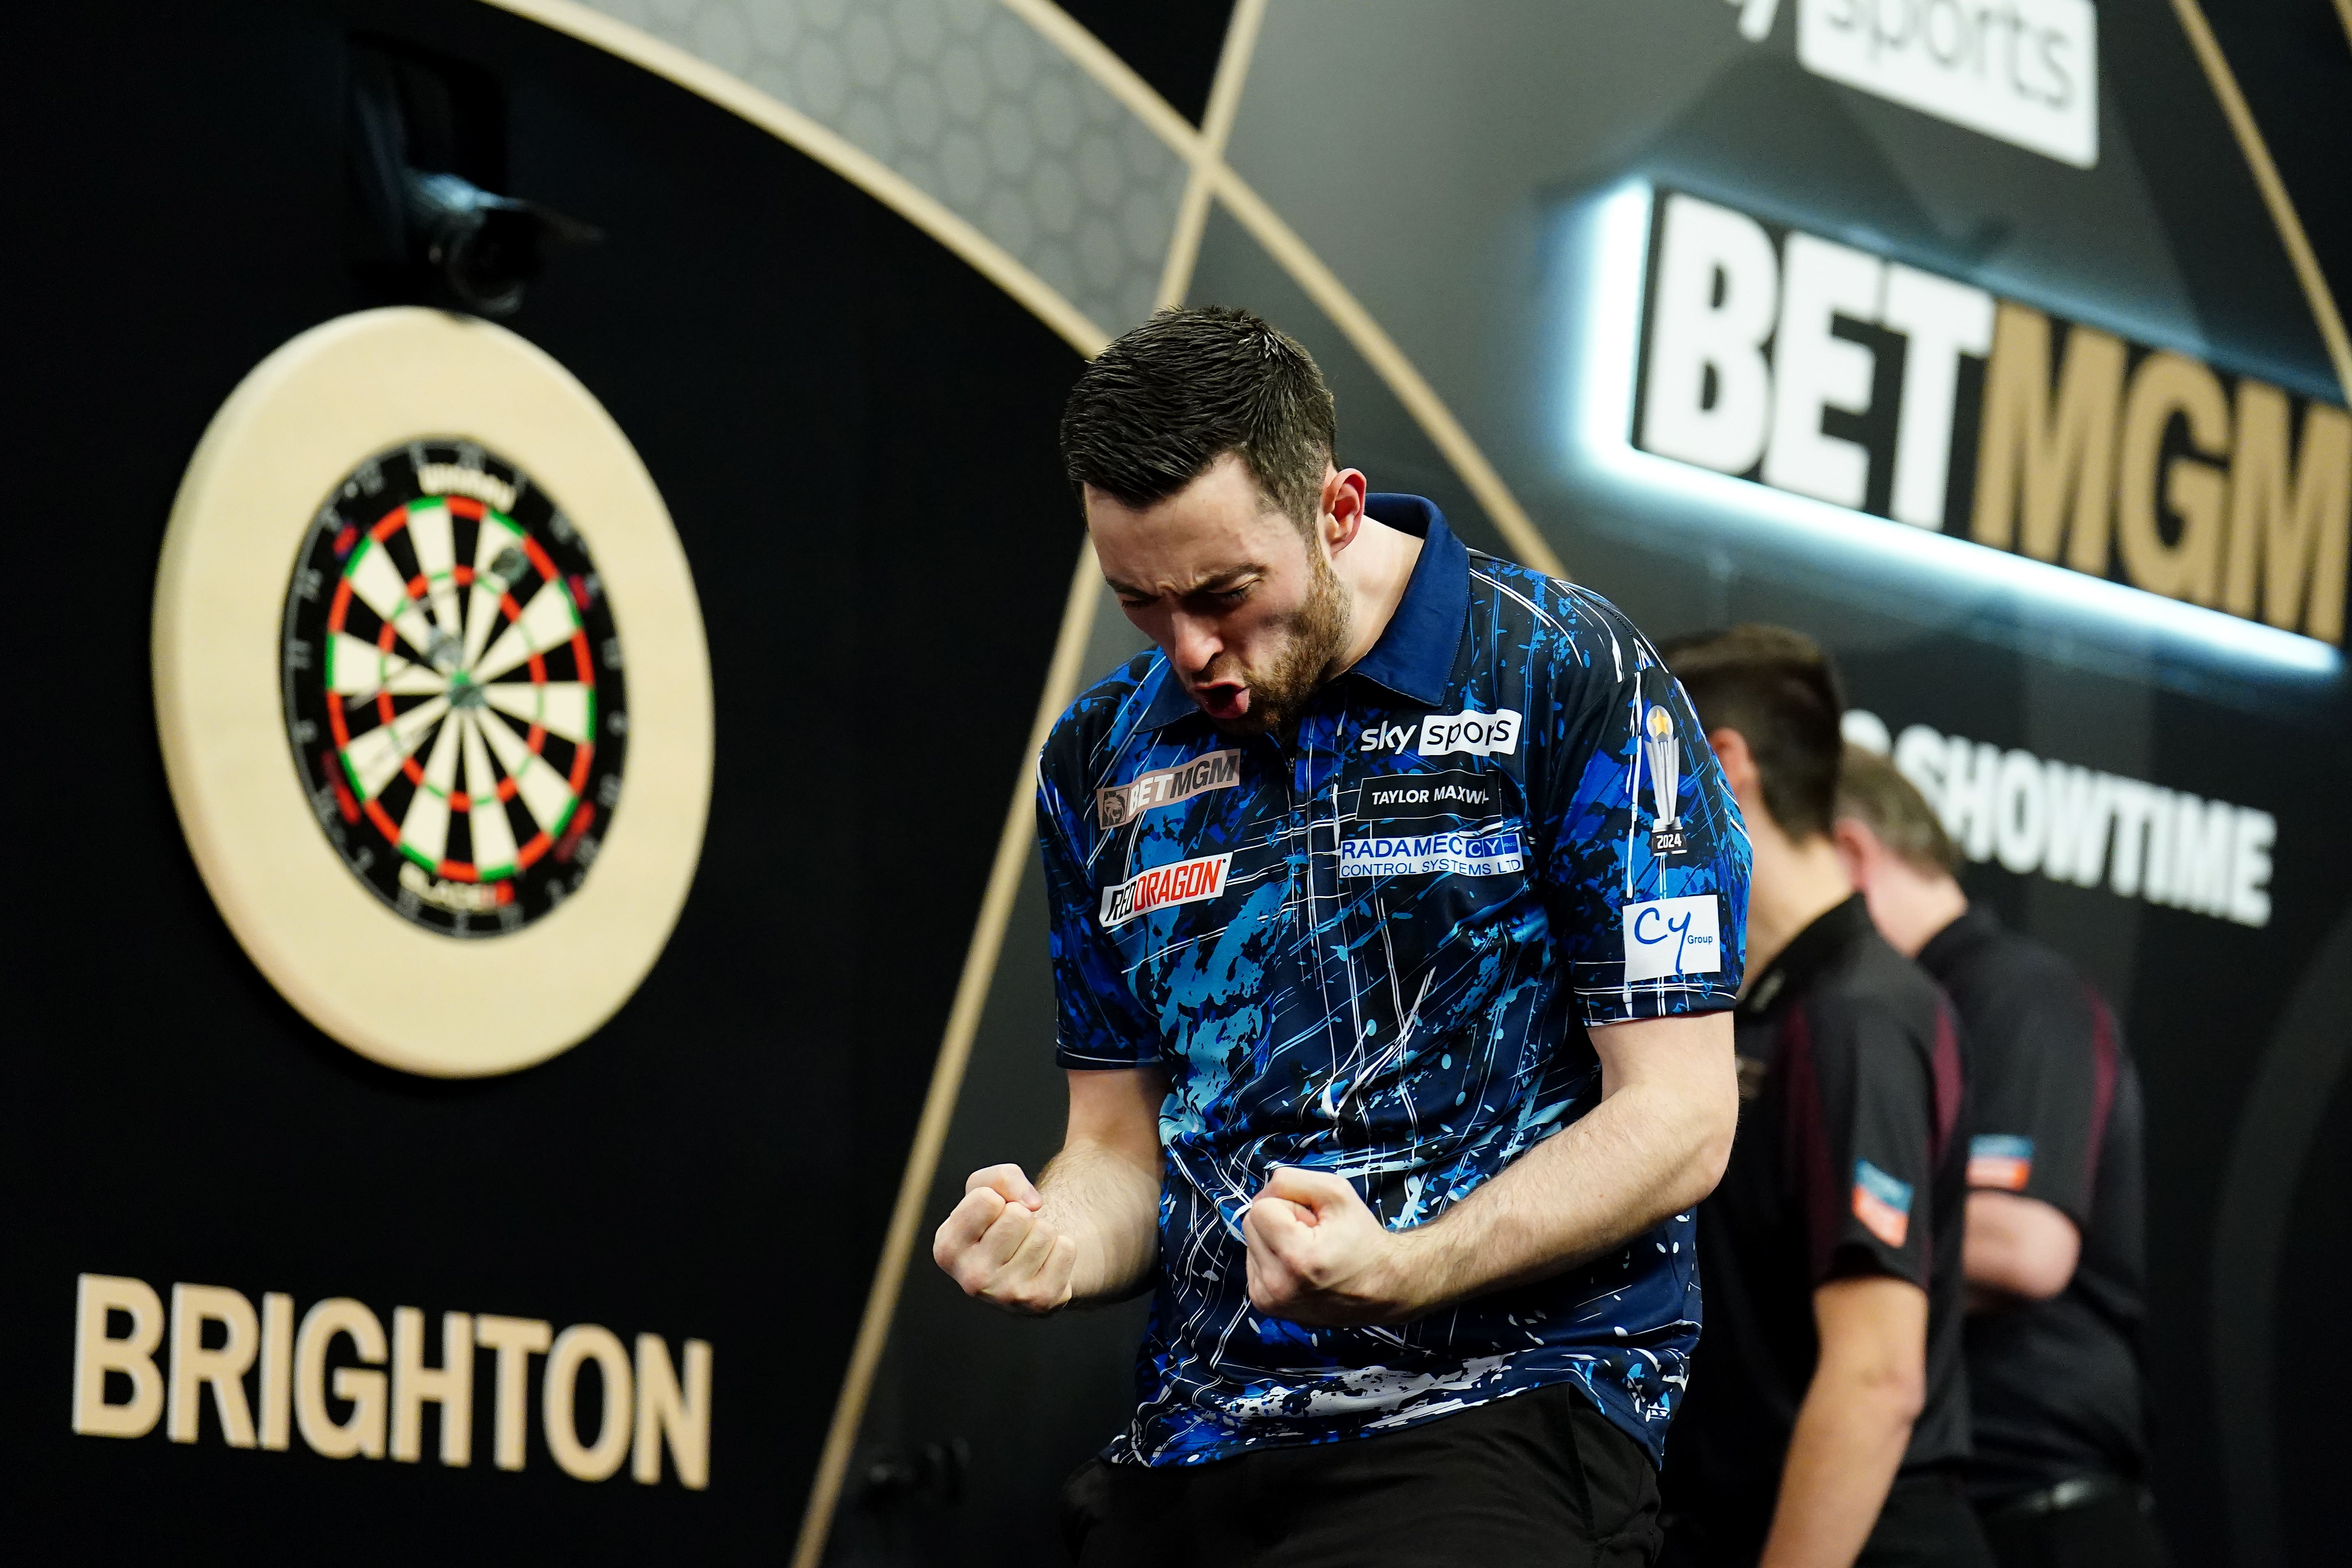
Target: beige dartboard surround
301	424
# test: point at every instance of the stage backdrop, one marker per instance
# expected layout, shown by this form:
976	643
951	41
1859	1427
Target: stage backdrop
1976	350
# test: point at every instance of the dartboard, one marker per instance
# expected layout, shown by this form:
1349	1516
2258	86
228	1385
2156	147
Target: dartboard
451	544
453	688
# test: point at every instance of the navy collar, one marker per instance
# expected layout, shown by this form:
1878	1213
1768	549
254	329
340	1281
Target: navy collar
1951	947
1414	656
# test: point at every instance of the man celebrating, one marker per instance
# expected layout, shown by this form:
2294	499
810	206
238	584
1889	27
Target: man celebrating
2054	1222
1827	1417
1391	1001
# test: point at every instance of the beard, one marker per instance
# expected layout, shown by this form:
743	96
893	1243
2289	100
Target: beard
1313	638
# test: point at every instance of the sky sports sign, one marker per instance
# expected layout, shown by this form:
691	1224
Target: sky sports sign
2026	71
1822	370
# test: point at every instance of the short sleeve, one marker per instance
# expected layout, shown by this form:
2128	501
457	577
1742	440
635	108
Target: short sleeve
1643	854
2039	1057
1098	1022
1862	1106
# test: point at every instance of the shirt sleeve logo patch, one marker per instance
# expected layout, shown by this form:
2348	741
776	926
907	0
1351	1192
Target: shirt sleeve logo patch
1162	887
2000	1160
1425	853
1667	839
1882	1202
1118	805
1665	763
1666	937
1472	734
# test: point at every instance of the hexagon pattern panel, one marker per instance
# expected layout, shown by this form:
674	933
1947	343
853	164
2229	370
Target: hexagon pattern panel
966	101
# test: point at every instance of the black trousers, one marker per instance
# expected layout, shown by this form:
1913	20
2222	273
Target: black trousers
2111	1532
1925	1523
1541	1478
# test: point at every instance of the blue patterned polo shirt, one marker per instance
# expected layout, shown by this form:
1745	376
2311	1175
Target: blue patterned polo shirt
1374	951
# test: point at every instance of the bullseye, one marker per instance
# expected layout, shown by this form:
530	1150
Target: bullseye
459	682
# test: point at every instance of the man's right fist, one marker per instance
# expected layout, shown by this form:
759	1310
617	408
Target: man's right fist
999	1245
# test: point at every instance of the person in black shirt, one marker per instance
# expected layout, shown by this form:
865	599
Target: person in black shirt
2054	1219
1827	1419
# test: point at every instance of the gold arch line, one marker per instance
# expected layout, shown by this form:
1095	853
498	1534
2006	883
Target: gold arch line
1210	176
1204	150
828	147
1013	846
992	261
1203	153
2257	153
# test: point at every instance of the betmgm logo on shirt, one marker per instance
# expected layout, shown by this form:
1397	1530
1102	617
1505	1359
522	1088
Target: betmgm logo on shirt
1118	804
1822	370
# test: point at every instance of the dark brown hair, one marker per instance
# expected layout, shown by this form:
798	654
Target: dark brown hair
1781	691
1873	791
1165	401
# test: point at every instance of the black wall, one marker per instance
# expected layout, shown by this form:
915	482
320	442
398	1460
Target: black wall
855	435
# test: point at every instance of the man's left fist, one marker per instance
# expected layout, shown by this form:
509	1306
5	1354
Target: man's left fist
1318	1256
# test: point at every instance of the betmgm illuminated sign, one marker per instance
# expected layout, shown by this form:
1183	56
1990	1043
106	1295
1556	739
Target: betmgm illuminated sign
1823	371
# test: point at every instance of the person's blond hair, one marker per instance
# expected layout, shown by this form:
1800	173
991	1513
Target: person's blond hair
1873	791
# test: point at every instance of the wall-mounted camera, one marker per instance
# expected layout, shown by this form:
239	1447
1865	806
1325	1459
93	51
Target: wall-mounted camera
427	164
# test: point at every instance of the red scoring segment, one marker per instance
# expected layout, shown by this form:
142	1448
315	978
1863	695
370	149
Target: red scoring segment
416	588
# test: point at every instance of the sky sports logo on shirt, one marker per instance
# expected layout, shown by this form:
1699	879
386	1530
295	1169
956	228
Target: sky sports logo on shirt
2000	1160
1164	887
1118	804
1882	1202
1667	937
1468	732
1429	854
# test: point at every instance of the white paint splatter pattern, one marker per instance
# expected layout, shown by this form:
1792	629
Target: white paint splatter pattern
1414	1033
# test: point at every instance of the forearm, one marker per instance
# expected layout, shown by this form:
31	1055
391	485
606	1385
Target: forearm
1654	1145
1106	1198
1637	1157
1084	1231
1848	1443
2017	1249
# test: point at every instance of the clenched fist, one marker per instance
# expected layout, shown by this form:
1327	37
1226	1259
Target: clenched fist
999	1245
1318	1256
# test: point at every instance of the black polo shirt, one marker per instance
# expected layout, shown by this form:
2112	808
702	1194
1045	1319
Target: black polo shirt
2055	1385
1849	1161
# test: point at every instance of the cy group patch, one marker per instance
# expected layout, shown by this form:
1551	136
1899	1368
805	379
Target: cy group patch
2000	1160
1882	1202
1666	937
